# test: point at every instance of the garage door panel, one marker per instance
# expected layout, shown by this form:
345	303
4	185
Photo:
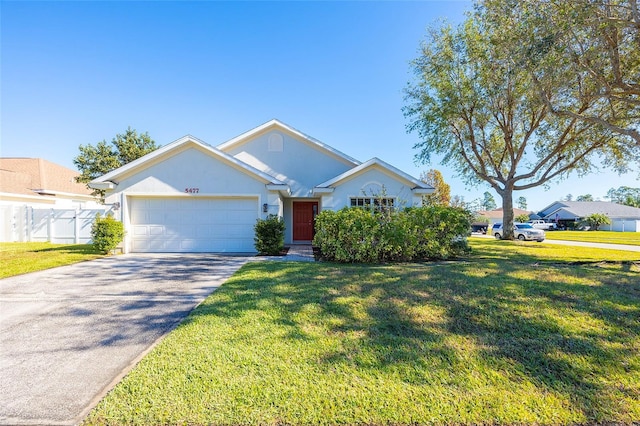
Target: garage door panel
239	231
193	224
243	216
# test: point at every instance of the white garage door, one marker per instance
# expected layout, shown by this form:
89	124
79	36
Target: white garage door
193	224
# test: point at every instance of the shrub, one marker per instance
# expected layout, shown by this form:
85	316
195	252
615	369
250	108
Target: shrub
269	238
106	233
596	220
523	218
362	236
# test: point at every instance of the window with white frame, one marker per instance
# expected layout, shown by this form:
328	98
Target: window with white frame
375	203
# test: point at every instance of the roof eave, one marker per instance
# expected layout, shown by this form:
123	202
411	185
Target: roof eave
102	185
322	190
282	188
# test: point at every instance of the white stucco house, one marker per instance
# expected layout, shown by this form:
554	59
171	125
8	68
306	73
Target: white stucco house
189	196
623	218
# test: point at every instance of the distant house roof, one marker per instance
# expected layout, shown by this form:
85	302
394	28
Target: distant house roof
581	209
497	213
35	176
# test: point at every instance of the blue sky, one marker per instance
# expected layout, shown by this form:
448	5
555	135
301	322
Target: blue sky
79	72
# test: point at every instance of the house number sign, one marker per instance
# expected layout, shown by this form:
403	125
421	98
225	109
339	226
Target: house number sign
192	190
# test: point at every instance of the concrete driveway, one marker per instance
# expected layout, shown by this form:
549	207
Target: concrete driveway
68	334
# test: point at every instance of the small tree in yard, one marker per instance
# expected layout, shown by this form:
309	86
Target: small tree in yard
522	218
269	237
597	219
106	233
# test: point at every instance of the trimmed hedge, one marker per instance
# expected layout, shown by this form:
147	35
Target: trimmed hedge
356	235
106	233
269	238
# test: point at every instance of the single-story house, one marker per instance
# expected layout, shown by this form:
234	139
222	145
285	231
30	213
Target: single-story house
623	218
37	196
40	183
495	216
188	196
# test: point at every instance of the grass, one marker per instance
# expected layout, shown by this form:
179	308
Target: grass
21	258
610	237
548	253
514	334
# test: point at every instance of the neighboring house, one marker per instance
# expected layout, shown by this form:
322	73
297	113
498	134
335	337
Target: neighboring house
37	196
495	216
191	197
623	218
41	183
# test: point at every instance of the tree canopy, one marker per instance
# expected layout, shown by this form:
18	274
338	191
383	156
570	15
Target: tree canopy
625	195
591	47
522	203
488	202
95	161
442	194
585	197
484	99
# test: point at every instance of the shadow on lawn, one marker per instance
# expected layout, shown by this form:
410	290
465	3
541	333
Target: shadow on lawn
70	249
516	321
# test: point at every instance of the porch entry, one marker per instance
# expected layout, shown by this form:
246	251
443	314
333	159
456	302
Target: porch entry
304	213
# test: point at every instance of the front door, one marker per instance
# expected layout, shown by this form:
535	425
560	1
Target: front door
304	213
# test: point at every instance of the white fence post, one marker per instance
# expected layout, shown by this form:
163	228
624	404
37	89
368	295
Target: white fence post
76	227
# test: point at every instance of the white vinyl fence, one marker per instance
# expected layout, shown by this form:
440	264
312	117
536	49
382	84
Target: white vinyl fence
58	226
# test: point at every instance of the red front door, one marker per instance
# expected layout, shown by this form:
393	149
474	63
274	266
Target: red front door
303	214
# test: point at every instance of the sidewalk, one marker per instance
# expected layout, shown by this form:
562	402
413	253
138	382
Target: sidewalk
296	253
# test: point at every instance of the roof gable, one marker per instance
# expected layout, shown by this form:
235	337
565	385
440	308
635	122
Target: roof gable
375	163
176	147
276	125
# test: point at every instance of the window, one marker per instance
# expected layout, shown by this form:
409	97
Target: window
377	203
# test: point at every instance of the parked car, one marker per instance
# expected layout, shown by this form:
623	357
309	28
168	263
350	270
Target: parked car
541	224
479	227
522	231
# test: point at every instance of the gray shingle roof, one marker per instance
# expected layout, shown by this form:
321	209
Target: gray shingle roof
587	208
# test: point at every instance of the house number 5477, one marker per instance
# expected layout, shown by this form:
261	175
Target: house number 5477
192	190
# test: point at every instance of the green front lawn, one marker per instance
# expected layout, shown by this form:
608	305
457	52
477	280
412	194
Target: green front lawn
610	237
20	258
511	335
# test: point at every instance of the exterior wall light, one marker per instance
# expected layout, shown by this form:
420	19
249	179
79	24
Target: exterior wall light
265	207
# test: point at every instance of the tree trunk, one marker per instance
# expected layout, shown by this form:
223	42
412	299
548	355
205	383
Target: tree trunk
507	213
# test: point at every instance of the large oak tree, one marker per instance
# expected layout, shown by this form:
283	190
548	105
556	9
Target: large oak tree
476	100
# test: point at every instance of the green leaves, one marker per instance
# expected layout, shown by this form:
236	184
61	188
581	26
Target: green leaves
106	233
355	235
95	161
597	219
524	93
269	238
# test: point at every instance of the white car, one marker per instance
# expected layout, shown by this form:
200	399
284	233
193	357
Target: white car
522	231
